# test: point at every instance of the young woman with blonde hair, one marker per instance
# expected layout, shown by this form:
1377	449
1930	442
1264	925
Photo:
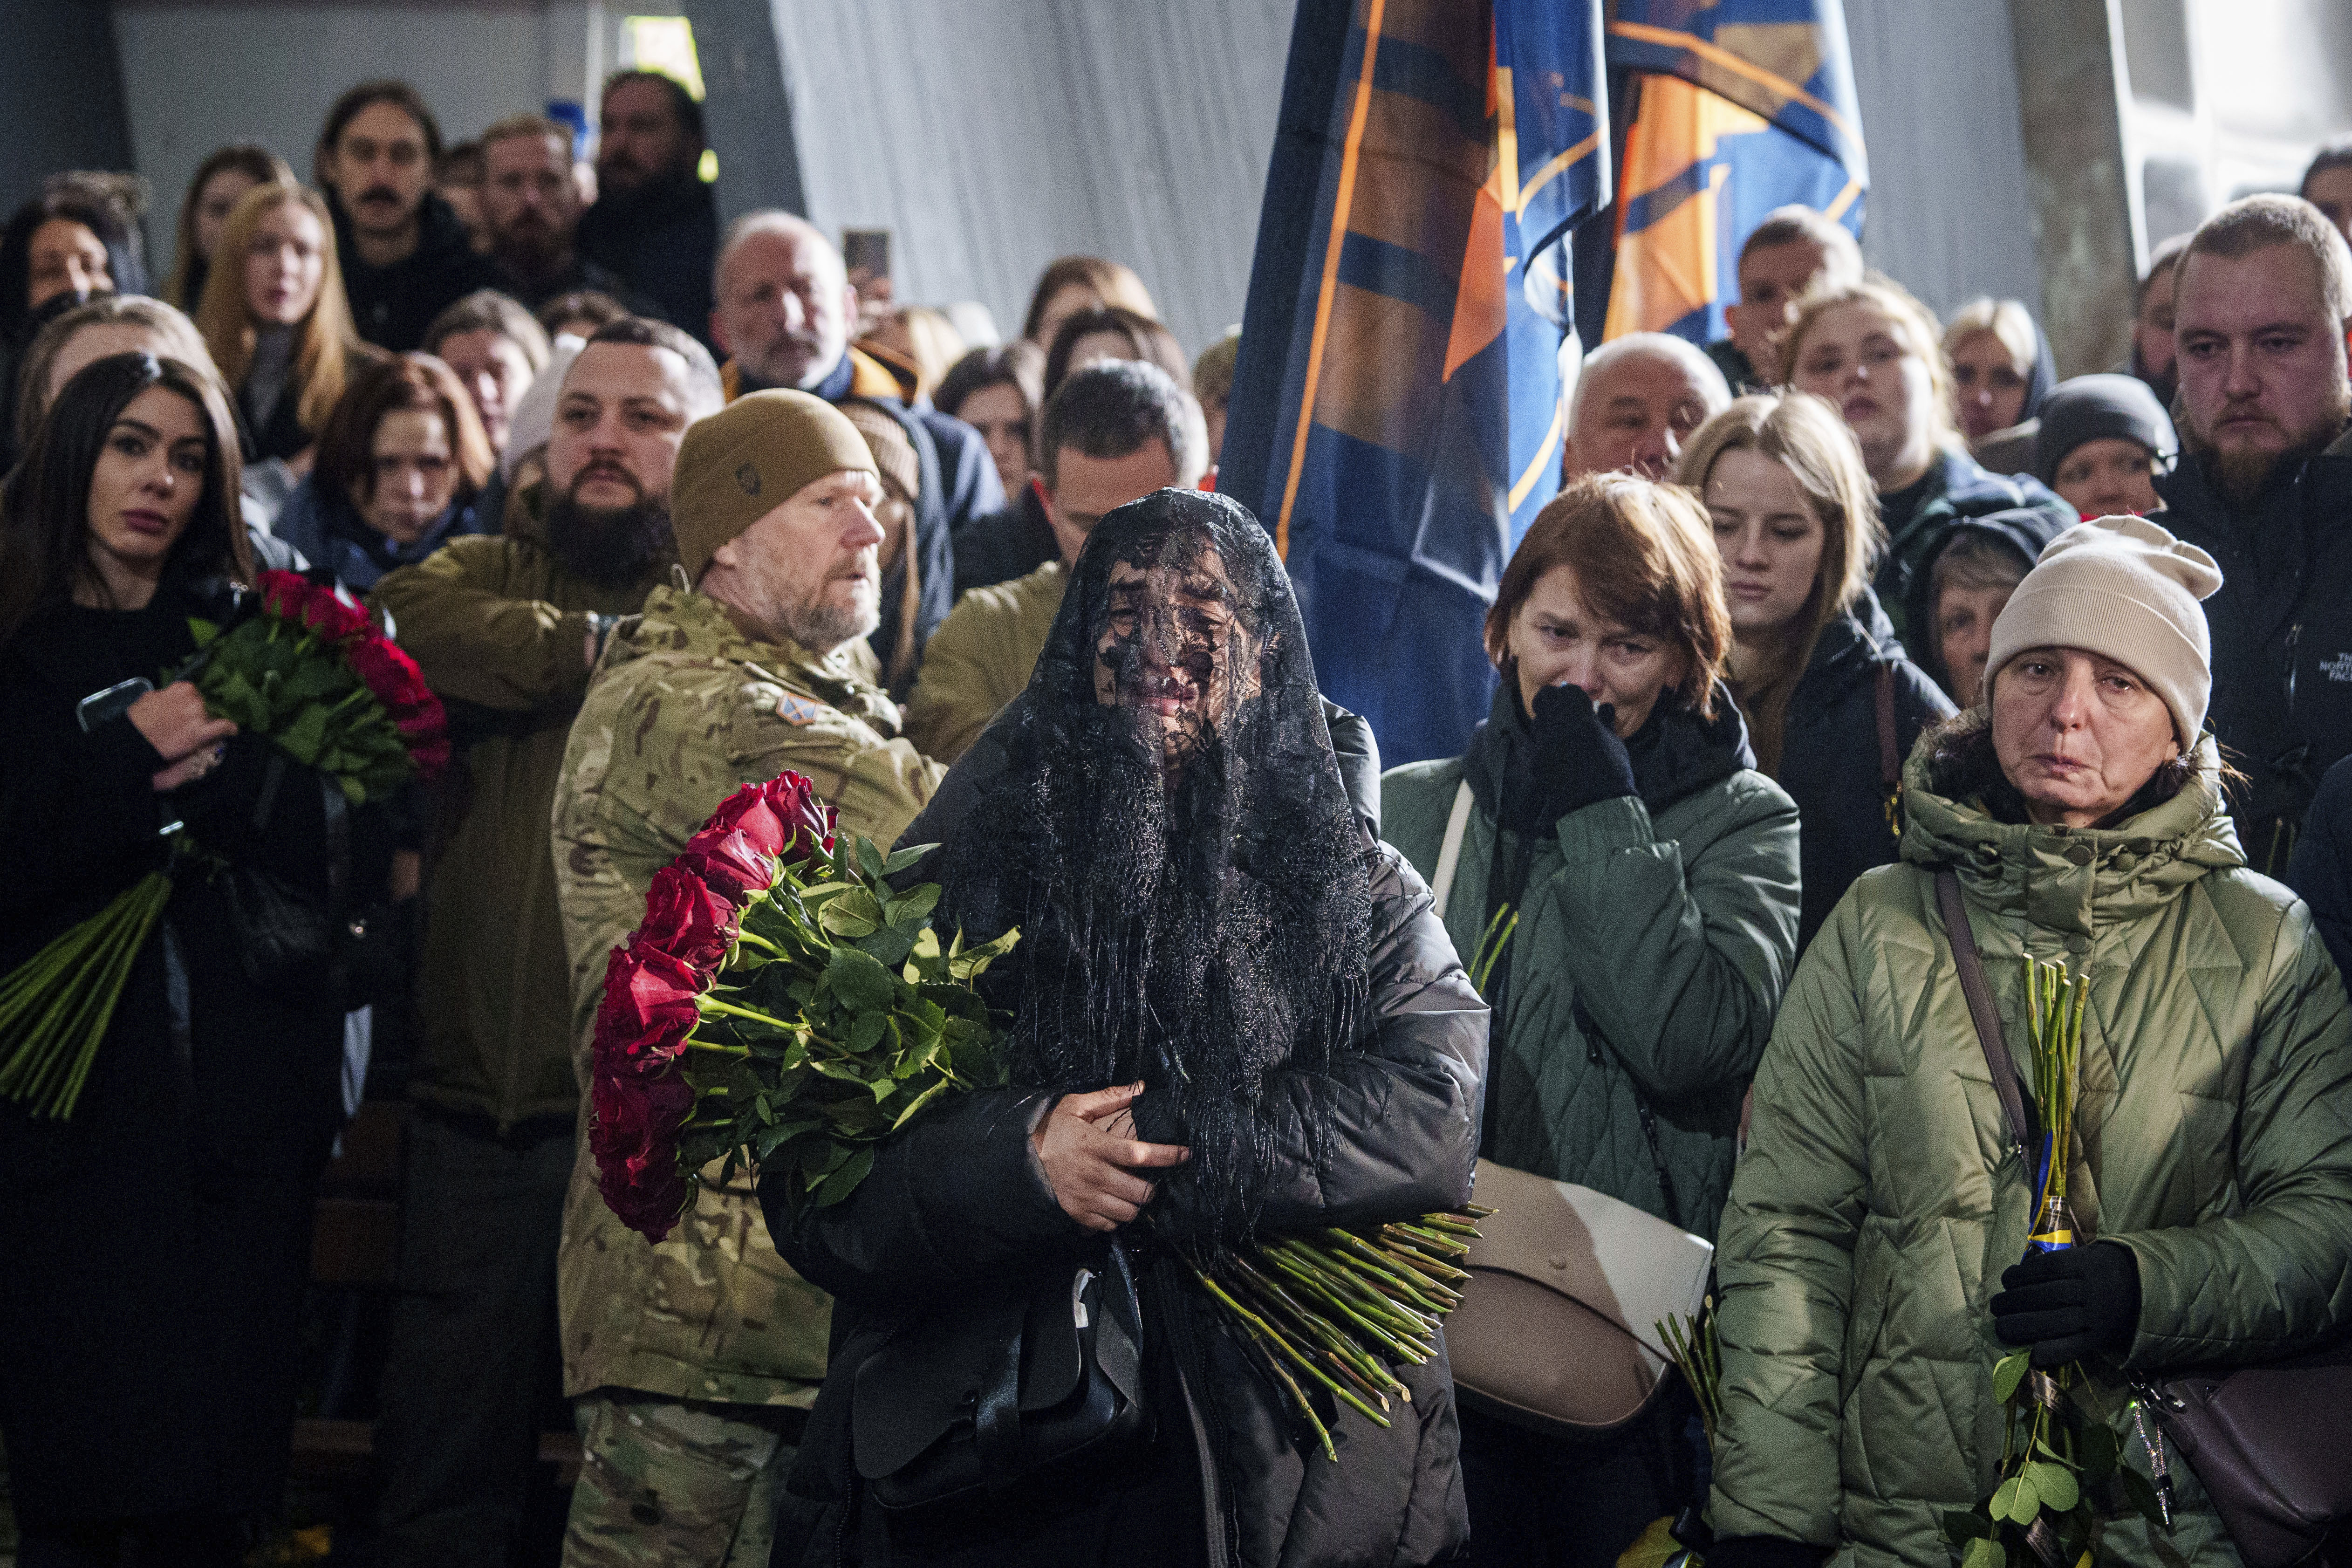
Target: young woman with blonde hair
1832	704
1874	353
274	315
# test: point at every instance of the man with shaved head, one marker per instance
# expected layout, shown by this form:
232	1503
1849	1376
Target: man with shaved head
1636	401
782	317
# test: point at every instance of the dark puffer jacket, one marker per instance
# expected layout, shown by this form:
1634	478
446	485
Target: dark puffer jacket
958	1201
2281	636
2022	530
1830	755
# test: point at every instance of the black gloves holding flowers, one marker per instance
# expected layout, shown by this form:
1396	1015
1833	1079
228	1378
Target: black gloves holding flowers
2067	1304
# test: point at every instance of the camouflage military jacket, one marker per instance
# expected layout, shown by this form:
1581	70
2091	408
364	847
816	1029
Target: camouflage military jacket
681	710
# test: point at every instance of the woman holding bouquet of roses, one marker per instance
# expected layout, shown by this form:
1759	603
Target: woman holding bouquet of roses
1870	1262
155	1242
1233	1014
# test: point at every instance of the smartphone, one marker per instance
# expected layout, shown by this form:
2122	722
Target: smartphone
104	707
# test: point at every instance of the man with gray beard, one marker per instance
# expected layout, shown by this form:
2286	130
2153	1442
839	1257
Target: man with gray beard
2261	299
506	630
694	1362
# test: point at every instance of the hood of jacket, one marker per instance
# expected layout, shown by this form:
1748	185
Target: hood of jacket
2023	529
1676	753
2071	880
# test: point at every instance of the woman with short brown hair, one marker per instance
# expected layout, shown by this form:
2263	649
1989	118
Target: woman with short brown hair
400	465
1609	824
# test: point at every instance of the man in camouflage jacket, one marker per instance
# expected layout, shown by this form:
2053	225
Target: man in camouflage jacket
694	1361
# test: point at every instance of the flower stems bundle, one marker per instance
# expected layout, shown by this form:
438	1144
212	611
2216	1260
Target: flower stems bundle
1700	1357
1341	1308
54	1010
2055	1459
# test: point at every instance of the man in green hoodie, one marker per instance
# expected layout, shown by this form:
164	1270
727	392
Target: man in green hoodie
506	629
694	1361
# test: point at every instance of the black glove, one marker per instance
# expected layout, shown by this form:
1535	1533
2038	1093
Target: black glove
2067	1304
1764	1551
1578	758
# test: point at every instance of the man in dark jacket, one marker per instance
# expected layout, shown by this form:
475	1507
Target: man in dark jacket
783	314
405	258
1166	786
2321	870
654	223
507	630
2261	298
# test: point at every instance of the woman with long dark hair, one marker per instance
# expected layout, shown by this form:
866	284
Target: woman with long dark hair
148	1393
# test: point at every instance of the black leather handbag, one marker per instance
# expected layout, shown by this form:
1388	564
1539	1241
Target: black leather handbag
287	940
961	1406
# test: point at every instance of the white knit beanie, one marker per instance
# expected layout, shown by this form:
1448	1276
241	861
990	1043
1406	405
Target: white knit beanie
2126	589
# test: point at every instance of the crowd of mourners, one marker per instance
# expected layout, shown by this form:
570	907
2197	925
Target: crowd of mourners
1848	600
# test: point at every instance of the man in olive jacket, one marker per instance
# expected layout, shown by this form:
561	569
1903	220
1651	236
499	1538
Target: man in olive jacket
694	1359
506	630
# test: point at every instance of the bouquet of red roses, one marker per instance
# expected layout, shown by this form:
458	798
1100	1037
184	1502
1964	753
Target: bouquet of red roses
306	669
779	1002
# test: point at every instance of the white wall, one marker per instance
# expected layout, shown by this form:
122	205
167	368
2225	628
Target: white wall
198	75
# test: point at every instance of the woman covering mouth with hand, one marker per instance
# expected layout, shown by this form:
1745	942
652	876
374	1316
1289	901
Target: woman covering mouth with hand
1872	353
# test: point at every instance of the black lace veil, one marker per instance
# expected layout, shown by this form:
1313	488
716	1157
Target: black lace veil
1201	935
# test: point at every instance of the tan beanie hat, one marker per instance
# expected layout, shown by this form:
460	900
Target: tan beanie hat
2126	589
743	462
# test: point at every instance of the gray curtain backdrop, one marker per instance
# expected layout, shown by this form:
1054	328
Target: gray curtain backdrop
990	136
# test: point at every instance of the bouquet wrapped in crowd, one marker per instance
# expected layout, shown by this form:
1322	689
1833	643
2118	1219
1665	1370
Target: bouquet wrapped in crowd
781	1002
302	667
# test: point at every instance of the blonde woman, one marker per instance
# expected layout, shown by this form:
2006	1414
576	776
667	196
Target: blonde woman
220	182
1875	355
1831	702
274	315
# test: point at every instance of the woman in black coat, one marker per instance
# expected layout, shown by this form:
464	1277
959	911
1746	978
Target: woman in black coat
1833	705
1204	915
155	1244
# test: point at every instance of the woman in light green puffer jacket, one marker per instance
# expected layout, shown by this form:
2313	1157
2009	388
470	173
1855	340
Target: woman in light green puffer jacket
1880	1203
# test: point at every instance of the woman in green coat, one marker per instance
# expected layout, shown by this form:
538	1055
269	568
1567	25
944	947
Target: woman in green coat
1611	803
1870	1263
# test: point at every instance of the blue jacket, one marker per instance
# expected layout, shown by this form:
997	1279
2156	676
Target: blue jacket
327	531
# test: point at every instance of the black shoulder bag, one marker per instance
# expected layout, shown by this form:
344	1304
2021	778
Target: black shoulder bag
2267	1441
961	1404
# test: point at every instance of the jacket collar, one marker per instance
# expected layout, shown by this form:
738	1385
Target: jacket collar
2072	881
680	622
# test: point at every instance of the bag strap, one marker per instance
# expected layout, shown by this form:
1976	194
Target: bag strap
1595	1043
1981	1006
1449	854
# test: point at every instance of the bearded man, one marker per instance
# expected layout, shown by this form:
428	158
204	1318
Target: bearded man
2261	299
693	1362
1232	1012
506	630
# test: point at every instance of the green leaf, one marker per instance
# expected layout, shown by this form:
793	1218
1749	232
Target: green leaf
901	859
2100	1451
2141	1494
1984	1554
842	1181
859	980
854	914
888	945
304	738
2004	1497
866	1033
2009	1372
913	904
202	630
918	1103
2055	1485
870	859
2025	1502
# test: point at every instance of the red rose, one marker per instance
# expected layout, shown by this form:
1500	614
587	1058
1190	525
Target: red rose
283	593
430	756
633	1137
647	1010
335	619
684	918
730	862
781	818
389	673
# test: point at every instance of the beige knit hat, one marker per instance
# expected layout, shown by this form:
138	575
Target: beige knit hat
741	463
2126	589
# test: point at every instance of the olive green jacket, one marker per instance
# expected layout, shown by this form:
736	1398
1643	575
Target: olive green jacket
1673	932
981	658
499	630
683	708
1880	1201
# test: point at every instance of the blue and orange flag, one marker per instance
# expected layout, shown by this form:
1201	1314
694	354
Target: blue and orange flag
1740	106
1396	415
